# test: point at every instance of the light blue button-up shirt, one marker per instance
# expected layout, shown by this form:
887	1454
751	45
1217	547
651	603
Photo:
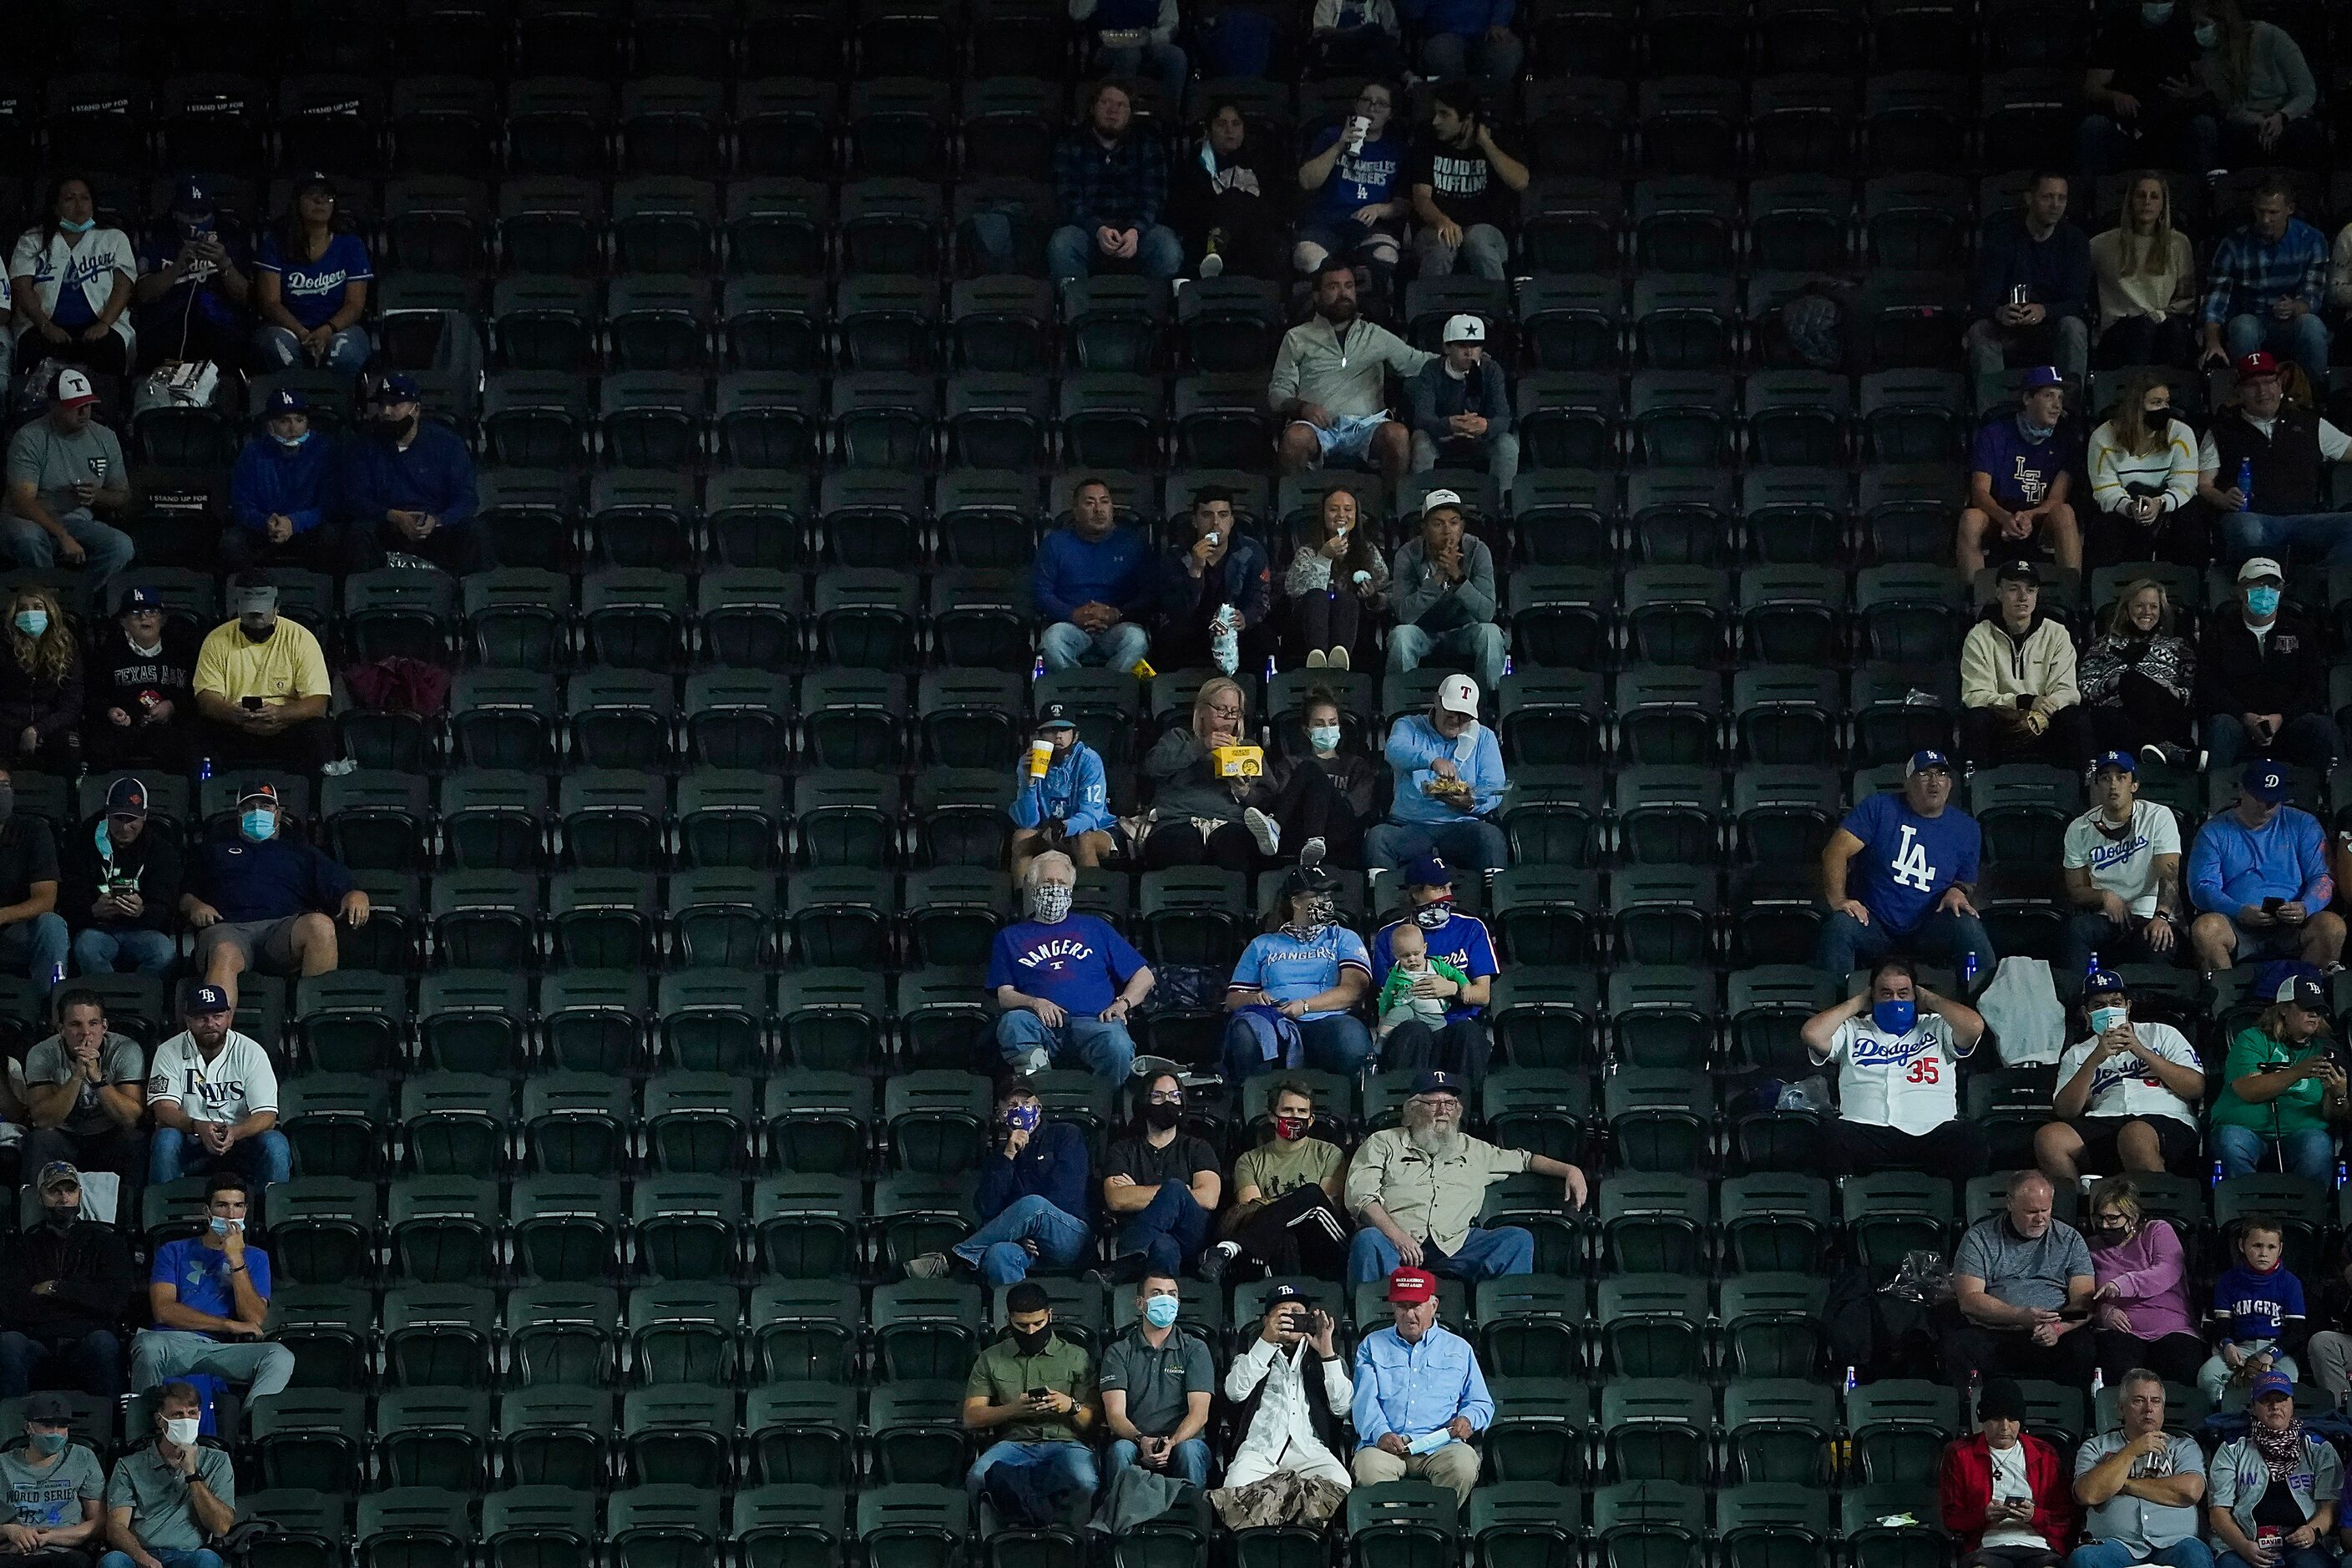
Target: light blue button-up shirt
1413	1389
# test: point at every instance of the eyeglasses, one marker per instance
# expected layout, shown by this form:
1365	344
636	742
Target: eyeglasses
1369	100
1165	1098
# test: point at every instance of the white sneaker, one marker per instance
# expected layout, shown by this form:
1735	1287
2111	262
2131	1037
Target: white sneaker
340	767
1315	659
1264	829
1213	265
1310	854
1339	659
1032	1062
1226	650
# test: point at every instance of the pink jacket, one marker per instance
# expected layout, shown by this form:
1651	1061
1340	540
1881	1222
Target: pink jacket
2151	1293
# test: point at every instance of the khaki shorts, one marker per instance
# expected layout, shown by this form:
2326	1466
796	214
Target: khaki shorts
262	944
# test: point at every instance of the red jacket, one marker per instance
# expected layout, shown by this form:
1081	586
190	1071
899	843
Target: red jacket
1967	1486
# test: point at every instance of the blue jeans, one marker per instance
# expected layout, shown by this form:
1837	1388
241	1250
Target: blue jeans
1072	252
995	1247
106	550
1076	1459
35	948
96	952
93	1363
2288	1557
264	1157
1066	646
2308	739
2303	339
168	1556
1485	1253
1191	1459
2189	1553
2311	1154
1169	1231
1846	944
1103	1047
1481	642
347	350
2326	534
1163	62
1468	844
1339	1044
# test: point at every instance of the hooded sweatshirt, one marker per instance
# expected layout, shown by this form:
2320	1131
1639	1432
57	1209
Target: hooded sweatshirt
1073	789
1998	669
292	482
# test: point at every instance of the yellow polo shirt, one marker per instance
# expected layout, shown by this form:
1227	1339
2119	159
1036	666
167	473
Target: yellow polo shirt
286	665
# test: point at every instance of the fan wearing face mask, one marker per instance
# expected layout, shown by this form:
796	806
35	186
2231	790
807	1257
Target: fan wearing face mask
2128	1094
1157	1382
1321	796
1285	1216
2262	677
1295	988
51	1491
1067	983
261	686
263	899
1453	1039
407	484
40	684
1031	1193
68	1279
1160	1186
2143	466
1447	772
1898	1047
210	1297
280	495
2146	104
169	1500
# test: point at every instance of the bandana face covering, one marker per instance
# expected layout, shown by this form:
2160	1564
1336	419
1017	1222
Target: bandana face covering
1050	902
1429	917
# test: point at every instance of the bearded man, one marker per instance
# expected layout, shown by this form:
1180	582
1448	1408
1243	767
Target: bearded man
1417	1189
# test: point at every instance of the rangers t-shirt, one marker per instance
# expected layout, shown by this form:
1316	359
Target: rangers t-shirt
2124	1085
2124	864
1906	860
1078	963
1905	1081
1288	969
229	1087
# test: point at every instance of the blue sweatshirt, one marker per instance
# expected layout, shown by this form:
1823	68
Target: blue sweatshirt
1414	744
1073	789
2248	1306
267	882
1462	18
270	478
436	475
2055	270
2233	865
1053	1167
1115	570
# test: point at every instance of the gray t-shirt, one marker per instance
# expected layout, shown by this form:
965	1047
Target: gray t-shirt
2022	1273
122	1060
55	462
1155	1381
50	1499
2134	1523
161	1514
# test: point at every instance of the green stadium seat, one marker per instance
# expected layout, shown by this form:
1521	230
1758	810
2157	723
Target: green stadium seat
1662	1015
1656	1223
1402	1524
1889	1214
833	1019
663	1525
596	1020
415	1526
601	918
915	1432
925	1329
496	820
1546	914
561	1335
322	1230
806	1331
310	1438
905	1525
1763	1525
456	1123
1545	1110
1772	1325
565	1229
1774	1222
1652	1325
538	1527
1531	1326
1899	1428
335	1123
801	1436
684	1333
615	818
1874	1539
307	1529
1649	1524
1541	1432
1777	1431
1547	1017
684	1227
486	920
556	1434
439	1336
437	1438
680	1434
329	1328
942	1015
1658	1119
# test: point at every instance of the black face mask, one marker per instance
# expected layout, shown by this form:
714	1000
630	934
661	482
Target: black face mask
59	1220
1030	1343
2158	418
262	635
395	429
1162	1116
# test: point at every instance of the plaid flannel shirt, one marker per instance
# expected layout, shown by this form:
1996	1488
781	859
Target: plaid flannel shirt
2249	271
1124	184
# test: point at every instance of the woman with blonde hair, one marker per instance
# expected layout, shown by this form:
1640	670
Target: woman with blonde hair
1198	813
2262	85
40	684
2137	675
2143	467
2145	273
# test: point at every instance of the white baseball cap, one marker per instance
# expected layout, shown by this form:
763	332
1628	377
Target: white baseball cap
2260	567
1459	694
1436	498
74	387
1465	328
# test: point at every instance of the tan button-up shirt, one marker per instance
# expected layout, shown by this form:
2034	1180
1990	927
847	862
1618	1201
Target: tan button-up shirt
1431	1201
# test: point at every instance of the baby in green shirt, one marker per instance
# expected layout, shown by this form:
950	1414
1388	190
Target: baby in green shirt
1409	952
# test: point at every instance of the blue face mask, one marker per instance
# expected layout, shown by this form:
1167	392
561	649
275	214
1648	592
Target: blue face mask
291	442
32	623
84	226
223	1226
1895	1016
2206	34
260	825
48	1445
1159	1311
103	839
2105	1018
1323	737
1022	1118
2157	16
2262	601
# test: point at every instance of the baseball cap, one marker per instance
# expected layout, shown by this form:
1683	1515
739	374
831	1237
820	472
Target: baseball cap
1055	716
208	999
139	599
2269	1382
2042	375
2105	983
253	595
396	388
2302	991
2259	569
1308	880
285	400
2265	780
1411	1284
193	196
2122	760
56	1174
1459	694
2255	365
2017	572
74	388
2000	1400
127	797
313	181
1436	498
1924	760
1282	1295
49	1409
260	792
1465	328
1428	871
1438	1083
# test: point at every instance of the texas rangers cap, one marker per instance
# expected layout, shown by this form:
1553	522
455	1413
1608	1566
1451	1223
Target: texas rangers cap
1438	1083
1428	871
74	389
2255	365
1459	694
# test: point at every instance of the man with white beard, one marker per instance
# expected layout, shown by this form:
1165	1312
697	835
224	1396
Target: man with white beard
1417	1189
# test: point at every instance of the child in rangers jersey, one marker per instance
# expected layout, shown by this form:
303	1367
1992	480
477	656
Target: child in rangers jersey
2127	1095
2258	1317
1897	1046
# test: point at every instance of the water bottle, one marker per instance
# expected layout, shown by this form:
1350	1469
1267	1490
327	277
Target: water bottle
1968	973
2342	1176
2098	1383
205	765
1851	1380
2246	482
1269	669
57	978
2217	1172
2094	964
1037	672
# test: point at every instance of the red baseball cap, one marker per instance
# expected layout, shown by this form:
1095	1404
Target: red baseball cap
2259	362
1412	1285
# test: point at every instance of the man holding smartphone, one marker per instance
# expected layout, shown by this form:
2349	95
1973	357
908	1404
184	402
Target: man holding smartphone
1034	1391
1293	1390
2259	877
262	687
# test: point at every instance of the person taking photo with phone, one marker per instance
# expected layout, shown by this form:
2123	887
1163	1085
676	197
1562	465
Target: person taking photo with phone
1292	1389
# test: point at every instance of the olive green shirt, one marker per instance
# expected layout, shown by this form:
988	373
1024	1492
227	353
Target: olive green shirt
1003	1375
1276	1168
1430	1201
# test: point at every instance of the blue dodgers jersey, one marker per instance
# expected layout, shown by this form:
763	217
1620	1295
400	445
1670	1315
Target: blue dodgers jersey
1286	969
1906	860
1078	963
